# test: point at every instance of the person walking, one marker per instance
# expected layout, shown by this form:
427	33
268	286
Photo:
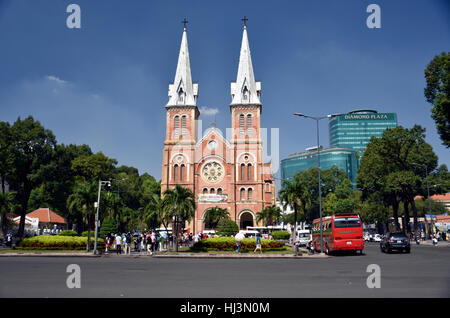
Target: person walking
128	240
149	243
107	243
118	244
258	243
239	237
153	241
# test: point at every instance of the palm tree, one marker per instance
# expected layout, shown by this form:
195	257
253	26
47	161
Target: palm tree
154	213
82	200
178	203
268	215
214	215
295	195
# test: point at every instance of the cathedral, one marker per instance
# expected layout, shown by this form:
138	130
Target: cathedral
224	172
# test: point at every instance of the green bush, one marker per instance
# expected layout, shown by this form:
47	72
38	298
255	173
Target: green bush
85	233
108	226
56	242
226	227
281	235
229	244
68	233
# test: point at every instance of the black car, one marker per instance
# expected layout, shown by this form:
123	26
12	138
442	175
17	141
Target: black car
395	241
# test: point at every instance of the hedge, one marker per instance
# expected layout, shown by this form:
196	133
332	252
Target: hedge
229	244
68	233
85	233
280	235
56	242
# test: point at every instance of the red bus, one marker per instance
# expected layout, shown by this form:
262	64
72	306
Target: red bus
341	232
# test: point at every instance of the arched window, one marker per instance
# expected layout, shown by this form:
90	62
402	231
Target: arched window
175	172
249	172
241	125
183	125
242	171
180	95
242	194
249	125
212	191
250	192
182	172
219	191
176	126
205	191
245	93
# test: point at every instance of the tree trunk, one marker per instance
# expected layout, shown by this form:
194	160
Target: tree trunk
395	205
416	223
88	247
406	217
23	212
295	225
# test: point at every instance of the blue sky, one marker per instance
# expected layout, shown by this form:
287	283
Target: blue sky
106	84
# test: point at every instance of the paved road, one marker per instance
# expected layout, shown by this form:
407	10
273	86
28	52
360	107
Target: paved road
423	273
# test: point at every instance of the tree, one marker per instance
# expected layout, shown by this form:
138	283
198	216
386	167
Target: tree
214	215
5	205
82	201
31	150
179	203
6	141
109	225
269	215
393	167
226	227
437	92
294	194
94	167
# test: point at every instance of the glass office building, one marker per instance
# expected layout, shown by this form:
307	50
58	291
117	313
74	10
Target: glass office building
354	129
343	158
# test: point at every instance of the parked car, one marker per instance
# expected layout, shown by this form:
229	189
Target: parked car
395	241
304	237
377	237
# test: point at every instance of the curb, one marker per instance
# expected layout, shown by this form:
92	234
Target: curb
225	256
46	255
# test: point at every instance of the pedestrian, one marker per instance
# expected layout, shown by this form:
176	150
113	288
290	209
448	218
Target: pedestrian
195	238
422	235
239	237
258	243
435	240
149	243
107	243
128	248
153	241
118	244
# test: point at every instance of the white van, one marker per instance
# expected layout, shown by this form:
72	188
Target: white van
304	237
249	233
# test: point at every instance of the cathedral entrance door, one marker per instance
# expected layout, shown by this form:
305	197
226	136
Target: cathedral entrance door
246	220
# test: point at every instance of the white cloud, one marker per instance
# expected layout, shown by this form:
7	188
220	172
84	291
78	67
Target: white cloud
56	79
208	111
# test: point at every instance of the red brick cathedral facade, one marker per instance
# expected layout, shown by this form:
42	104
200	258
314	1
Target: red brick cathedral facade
228	173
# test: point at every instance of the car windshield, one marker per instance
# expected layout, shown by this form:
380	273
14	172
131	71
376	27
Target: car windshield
346	222
398	236
303	235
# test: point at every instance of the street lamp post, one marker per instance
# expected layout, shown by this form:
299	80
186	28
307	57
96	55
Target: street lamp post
317	119
100	183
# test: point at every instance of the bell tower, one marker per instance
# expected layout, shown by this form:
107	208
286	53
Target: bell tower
181	124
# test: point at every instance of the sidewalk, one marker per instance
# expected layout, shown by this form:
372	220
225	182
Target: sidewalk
430	243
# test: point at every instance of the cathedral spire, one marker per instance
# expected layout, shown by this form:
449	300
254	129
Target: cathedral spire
183	92
245	90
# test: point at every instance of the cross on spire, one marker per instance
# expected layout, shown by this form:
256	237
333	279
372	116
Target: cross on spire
184	22
245	20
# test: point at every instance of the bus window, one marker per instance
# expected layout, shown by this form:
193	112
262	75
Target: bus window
346	222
